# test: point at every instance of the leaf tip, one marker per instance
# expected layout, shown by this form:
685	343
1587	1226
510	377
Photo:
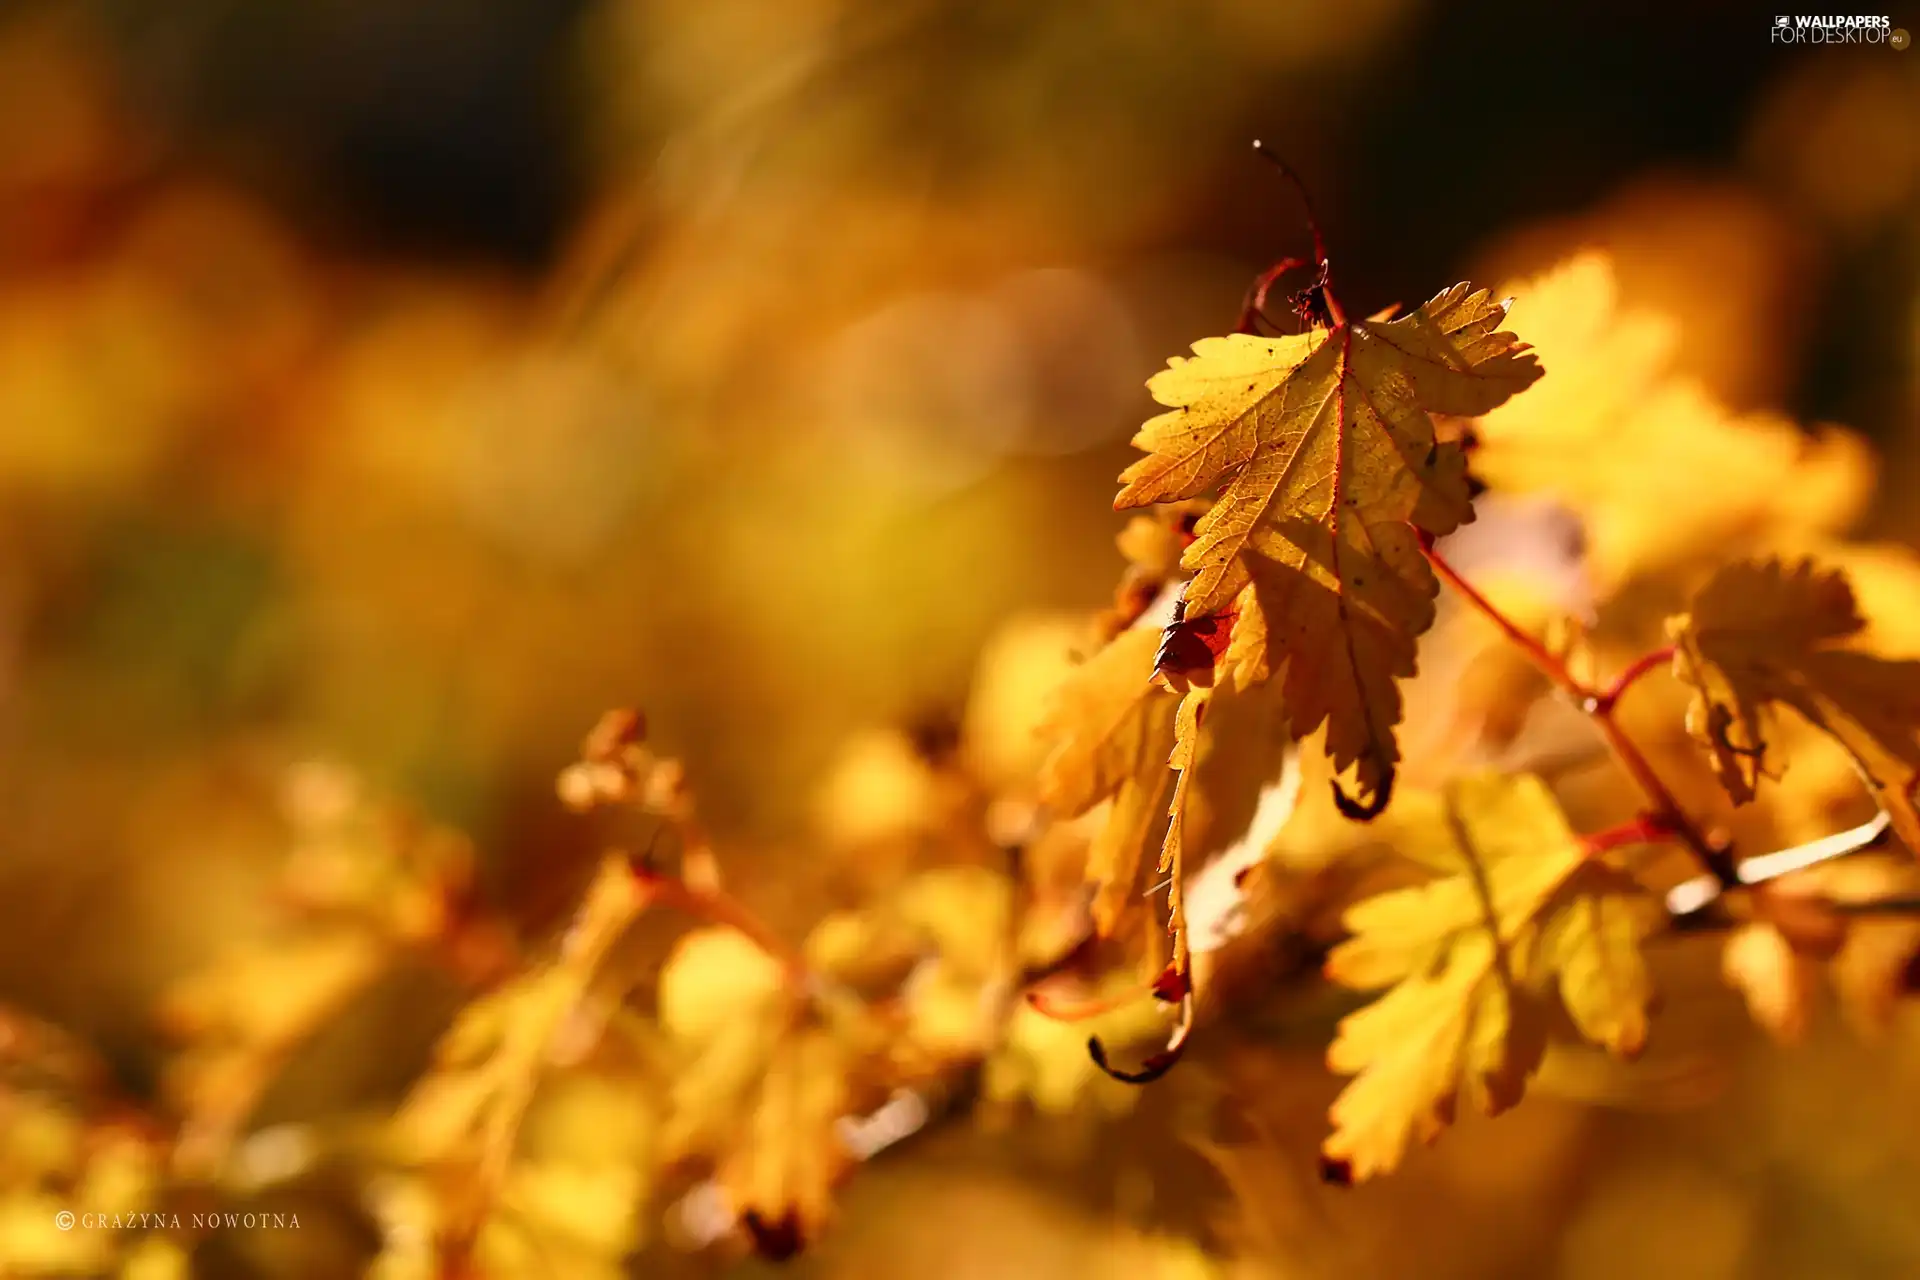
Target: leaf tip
1157	1064
1370	808
1335	1171
779	1240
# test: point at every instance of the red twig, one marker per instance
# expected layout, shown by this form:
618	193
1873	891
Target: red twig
1537	653
1602	703
1060	1009
718	908
1599	706
1646	828
1254	310
1335	316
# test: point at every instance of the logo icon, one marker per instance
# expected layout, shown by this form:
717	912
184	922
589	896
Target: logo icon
1780	20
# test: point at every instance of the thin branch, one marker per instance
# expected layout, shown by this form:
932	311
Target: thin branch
1325	281
1537	653
1647	828
1306	200
1603	702
1689	898
1771	866
1254	309
1716	859
720	908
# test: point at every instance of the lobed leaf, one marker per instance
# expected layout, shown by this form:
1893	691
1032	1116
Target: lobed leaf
1329	471
1473	959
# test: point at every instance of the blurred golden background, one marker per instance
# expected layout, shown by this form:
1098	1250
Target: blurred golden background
396	386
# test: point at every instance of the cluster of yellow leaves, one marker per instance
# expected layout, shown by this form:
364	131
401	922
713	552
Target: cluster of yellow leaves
775	1070
760	1065
1308	589
67	1148
368	887
1329	473
1626	442
461	1125
1247	717
764	1075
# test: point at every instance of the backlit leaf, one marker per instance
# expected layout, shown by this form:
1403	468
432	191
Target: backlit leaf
1328	470
1761	635
1113	727
1473	959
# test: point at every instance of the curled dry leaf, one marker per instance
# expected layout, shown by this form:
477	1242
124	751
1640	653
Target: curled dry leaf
1329	471
1761	635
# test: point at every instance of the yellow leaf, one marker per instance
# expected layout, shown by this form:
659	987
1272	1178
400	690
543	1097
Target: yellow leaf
1590	938
715	977
1871	973
1221	774
156	1258
1019	667
466	1114
1778	984
1152	547
272	994
1759	635
963	911
1623	440
879	788
1114	729
766	1072
1418	1048
1521	914
782	1179
1801	920
590	1205
1330	469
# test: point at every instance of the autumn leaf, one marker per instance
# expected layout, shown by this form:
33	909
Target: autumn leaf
1761	635
1221	774
1622	438
1474	959
467	1111
1777	984
1114	729
1822	915
765	1074
1329	470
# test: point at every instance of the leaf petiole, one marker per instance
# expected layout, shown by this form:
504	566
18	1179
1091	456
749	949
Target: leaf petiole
1603	701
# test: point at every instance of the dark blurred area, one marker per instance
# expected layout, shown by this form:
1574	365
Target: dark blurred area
398	385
